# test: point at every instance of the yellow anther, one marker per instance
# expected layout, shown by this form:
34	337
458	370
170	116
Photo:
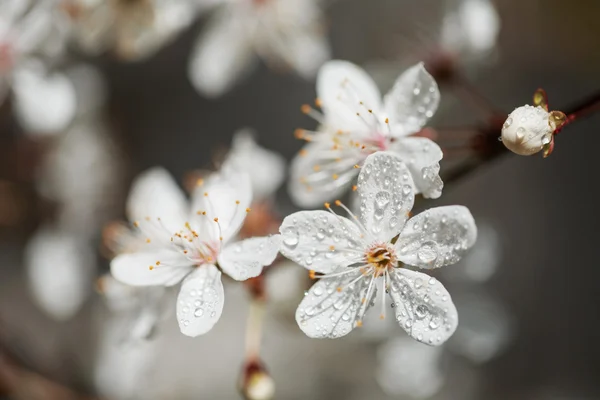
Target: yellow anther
221	238
299	133
327	205
305	108
216	219
356	166
185	252
237	202
381	316
318	102
303	153
339	289
371	111
136	224
200	182
311	274
147	218
148	240
338	203
387	120
363	300
354	187
359	323
203	212
316	168
151	267
363	147
332	247
199	212
335	176
209	259
158	263
248	210
205	194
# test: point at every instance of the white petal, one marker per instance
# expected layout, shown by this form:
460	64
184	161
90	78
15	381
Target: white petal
154	194
246	259
45	103
413	99
307	50
326	312
386	193
313	170
341	87
200	301
321	241
222	55
472	29
422	157
437	237
225	196
59	268
141	269
265	168
424	308
409	368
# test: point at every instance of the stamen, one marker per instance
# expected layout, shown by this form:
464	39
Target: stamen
311	112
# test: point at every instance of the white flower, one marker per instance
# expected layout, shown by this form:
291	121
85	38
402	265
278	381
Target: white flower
471	29
186	243
356	123
246	155
286	33
133	29
59	268
32	32
358	256
409	368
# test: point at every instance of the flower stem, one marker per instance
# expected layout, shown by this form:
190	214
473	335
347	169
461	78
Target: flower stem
254	327
584	108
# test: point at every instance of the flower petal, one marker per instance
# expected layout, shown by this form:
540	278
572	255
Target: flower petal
422	157
222	55
341	87
225	196
321	241
265	168
332	307
413	99
246	259
200	301
154	194
45	103
386	193
424	308
437	237
141	268
319	173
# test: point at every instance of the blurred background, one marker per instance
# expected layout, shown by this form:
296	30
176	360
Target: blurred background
80	119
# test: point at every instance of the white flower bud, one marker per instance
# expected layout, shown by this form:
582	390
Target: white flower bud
256	383
527	130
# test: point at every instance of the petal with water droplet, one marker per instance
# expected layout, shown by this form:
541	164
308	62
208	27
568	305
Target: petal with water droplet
200	301
424	310
437	237
413	99
326	312
140	268
321	241
245	259
386	193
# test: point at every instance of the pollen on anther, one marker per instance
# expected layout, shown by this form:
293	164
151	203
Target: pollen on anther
338	203
151	267
387	120
147	218
305	108
299	133
200	182
359	323
316	168
248	210
381	316
148	240
354	187
318	102
136	224
303	153
356	166
216	219
237	202
332	247
158	263
205	194
209	259
311	274
363	300
339	289
185	252
335	176
221	238
327	205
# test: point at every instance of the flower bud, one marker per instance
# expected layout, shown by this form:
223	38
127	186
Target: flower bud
256	383
527	130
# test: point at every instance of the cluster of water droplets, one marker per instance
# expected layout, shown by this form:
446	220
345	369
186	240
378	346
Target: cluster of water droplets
200	298
386	194
437	237
527	125
319	238
245	259
326	312
423	307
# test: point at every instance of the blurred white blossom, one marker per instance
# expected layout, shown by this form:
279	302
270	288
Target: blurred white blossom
409	368
132	29
185	242
60	266
285	33
357	256
355	123
265	168
471	28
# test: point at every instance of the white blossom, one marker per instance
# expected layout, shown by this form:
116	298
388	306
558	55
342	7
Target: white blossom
286	33
59	266
527	130
191	242
132	29
356	257
356	122
265	168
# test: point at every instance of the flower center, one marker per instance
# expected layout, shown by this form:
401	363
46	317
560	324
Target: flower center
381	256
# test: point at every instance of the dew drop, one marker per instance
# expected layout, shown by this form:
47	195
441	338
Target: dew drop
198	312
290	237
427	253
